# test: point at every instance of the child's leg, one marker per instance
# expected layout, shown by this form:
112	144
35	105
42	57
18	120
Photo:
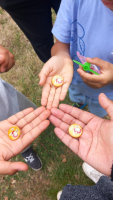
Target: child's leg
77	97
95	107
28	154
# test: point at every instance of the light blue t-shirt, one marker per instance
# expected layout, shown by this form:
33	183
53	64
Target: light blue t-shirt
88	26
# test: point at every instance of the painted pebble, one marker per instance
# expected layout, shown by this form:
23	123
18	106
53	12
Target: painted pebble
14	133
57	81
75	130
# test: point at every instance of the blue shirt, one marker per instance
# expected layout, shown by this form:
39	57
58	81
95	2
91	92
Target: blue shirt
88	26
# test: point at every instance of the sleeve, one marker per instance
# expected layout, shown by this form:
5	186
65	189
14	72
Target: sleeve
62	27
102	190
8	100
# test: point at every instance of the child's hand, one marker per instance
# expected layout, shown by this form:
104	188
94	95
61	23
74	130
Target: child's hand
6	60
98	81
31	123
57	65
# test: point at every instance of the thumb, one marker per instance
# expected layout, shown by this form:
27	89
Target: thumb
44	74
2	59
10	168
98	62
107	104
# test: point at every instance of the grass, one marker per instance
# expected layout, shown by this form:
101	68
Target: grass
60	165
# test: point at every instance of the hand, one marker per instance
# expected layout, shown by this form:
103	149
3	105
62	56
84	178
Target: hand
57	65
6	60
95	146
31	123
98	81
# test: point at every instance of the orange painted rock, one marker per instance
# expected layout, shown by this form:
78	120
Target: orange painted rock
75	130
57	81
14	133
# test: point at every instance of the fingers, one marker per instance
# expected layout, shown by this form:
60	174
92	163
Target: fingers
82	116
30	136
90	77
70	142
6	124
11	62
64	91
29	117
56	99
98	62
31	131
20	115
51	97
44	73
45	94
95	81
63	120
6	60
10	168
36	120
107	104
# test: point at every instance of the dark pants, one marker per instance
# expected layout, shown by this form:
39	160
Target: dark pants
34	19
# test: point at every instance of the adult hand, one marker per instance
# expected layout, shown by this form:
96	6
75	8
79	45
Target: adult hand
57	65
98	81
6	60
31	123
95	146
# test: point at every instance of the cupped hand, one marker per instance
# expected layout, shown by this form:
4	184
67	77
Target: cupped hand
6	60
97	81
31	123
57	65
95	146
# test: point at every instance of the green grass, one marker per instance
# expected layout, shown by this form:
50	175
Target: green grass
55	174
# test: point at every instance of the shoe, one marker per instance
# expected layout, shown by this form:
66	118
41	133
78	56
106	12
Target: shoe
92	173
79	105
59	195
32	159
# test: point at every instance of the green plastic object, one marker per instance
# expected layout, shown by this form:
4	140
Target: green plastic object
86	67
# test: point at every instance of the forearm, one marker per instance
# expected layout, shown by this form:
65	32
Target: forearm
62	49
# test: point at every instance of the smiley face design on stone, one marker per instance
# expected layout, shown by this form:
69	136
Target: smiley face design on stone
57	81
14	133
75	130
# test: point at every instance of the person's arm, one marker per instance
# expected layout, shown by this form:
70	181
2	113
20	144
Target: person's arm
31	123
6	60
61	48
60	64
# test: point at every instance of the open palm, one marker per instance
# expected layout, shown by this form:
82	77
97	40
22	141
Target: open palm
31	124
95	146
50	94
